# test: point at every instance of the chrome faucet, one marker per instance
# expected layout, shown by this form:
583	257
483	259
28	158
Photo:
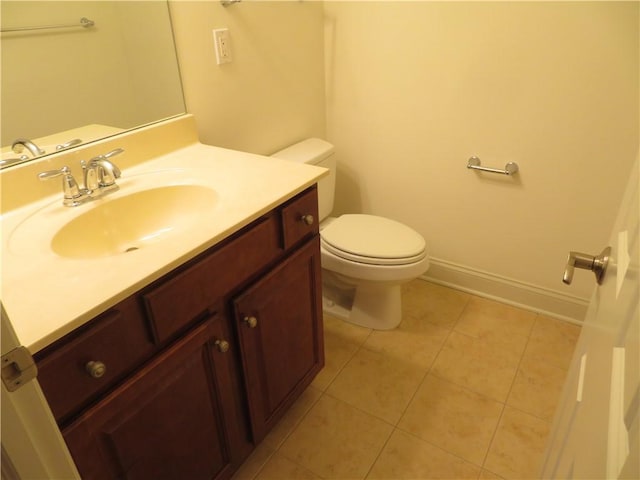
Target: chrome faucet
99	179
100	173
19	145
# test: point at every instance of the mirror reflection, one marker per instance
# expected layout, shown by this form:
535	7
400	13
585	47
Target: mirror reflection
73	83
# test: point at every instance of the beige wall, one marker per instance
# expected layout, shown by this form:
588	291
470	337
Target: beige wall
415	88
272	94
112	74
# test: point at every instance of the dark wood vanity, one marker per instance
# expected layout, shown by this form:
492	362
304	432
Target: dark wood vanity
182	379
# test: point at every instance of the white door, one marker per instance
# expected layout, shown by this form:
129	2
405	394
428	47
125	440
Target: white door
32	445
596	430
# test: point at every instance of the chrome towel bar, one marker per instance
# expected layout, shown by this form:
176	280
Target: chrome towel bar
510	168
84	23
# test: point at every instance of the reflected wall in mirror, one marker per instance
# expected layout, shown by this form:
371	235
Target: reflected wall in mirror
63	84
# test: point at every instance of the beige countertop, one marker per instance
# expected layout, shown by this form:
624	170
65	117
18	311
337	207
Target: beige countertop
46	296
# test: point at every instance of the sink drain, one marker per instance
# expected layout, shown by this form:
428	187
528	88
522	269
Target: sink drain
131	249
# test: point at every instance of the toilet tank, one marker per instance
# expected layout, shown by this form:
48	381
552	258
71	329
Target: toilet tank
315	151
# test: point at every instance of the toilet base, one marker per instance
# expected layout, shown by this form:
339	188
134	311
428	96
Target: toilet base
370	305
337	300
379	308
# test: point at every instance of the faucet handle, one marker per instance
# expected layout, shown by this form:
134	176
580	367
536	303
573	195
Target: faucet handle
116	151
112	153
54	173
108	171
70	187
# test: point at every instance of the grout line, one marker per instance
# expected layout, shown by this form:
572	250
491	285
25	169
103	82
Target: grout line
298	421
380	453
351	357
361	410
493	437
506	400
439	447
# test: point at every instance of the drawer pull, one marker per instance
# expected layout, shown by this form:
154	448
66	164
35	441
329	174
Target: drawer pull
252	321
308	219
222	346
95	368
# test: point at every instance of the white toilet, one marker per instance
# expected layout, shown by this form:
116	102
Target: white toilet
365	258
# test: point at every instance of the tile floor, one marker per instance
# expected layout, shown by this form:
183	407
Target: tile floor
464	388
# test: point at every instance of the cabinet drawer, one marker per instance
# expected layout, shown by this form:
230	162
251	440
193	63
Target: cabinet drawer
300	218
188	295
118	339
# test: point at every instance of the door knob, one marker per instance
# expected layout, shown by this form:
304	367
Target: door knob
308	219
95	368
250	321
598	264
222	346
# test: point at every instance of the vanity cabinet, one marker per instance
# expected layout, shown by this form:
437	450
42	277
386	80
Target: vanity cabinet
184	378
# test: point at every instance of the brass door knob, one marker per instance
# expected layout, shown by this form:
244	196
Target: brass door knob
222	346
251	321
308	219
95	368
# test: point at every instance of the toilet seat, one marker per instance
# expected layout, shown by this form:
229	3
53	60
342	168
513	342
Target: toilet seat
373	240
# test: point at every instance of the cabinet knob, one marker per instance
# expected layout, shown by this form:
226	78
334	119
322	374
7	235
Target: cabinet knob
95	368
251	321
222	346
308	219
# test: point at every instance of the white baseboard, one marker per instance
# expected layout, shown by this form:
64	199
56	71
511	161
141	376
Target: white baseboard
506	290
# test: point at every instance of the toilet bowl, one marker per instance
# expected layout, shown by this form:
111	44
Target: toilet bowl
365	258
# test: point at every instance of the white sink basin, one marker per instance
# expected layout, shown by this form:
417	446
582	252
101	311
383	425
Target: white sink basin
140	214
131	222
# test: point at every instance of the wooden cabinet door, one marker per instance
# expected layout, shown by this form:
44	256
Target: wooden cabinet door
166	422
280	331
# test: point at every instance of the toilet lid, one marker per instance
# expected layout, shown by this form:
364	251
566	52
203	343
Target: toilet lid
373	240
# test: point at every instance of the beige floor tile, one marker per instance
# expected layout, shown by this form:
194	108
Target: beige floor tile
415	341
553	341
345	330
254	463
281	468
537	387
379	384
518	446
336	440
501	325
408	457
293	416
432	303
453	418
477	365
341	341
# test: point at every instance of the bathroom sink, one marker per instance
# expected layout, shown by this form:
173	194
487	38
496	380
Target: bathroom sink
121	224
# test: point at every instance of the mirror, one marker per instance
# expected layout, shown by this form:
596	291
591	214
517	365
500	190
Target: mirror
71	82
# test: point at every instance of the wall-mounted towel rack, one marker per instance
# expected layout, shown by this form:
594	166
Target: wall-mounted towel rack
510	168
84	23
